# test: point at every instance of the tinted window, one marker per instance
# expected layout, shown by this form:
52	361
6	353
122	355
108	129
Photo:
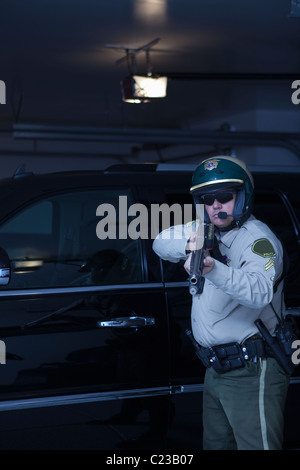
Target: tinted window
54	242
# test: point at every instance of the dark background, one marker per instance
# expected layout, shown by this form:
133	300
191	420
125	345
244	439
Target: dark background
230	65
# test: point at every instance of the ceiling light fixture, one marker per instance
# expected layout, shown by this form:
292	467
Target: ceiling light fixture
142	89
138	88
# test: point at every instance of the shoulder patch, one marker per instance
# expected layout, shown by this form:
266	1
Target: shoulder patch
264	248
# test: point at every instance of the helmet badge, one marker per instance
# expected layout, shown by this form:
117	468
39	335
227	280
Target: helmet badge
211	164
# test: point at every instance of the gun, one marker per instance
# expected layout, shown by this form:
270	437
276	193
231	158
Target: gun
275	346
196	280
197	348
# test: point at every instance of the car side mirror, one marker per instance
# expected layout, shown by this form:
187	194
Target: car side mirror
5	270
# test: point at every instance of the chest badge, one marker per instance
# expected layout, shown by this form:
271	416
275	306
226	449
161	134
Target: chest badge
226	259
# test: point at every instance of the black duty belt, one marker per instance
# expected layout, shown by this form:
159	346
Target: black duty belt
229	356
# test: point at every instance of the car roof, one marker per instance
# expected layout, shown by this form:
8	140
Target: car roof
25	186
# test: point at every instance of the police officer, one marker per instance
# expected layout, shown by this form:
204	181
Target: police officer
244	394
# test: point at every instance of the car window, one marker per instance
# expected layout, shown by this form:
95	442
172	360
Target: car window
65	240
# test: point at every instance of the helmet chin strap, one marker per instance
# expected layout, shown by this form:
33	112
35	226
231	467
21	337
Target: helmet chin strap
229	227
234	223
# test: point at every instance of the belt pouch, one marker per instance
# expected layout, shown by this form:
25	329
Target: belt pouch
226	357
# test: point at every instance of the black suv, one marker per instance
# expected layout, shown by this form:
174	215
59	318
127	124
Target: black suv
93	351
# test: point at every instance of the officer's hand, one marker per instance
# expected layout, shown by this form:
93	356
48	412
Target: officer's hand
208	265
190	246
187	264
191	243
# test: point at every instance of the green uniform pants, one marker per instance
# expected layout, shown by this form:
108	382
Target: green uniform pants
243	409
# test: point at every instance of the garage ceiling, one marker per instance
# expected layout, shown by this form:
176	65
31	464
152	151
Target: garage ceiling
220	56
56	68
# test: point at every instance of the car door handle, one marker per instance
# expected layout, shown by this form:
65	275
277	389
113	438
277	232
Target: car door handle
127	322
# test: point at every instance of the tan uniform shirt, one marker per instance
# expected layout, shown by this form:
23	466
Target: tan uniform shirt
238	293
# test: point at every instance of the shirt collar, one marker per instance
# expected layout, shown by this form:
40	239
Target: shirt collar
227	238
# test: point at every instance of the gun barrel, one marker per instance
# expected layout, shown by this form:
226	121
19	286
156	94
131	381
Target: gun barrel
196	280
196	285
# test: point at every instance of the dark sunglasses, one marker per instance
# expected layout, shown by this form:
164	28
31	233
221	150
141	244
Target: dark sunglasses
222	197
